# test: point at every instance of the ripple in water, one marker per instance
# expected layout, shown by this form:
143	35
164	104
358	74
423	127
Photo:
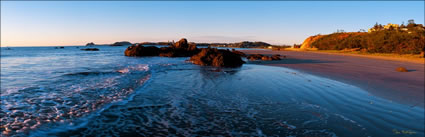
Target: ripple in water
69	97
187	100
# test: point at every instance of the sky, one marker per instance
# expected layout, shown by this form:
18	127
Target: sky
62	23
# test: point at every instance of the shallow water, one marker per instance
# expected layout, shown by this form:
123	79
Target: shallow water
65	92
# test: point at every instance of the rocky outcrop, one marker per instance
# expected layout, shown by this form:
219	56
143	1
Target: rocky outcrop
90	44
254	57
204	57
90	49
179	49
139	50
307	42
239	53
217	57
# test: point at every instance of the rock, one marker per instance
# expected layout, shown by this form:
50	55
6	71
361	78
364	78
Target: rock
90	44
276	57
239	53
401	69
180	49
266	58
90	49
139	50
122	43
183	44
204	57
255	57
179	52
217	58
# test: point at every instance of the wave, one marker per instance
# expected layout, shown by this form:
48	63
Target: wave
66	99
88	73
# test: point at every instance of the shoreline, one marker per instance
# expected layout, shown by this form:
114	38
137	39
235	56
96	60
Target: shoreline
377	76
382	56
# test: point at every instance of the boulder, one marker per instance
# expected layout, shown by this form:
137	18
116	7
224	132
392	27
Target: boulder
204	57
90	49
266	58
401	69
217	58
139	50
239	53
90	44
255	57
276	57
179	49
184	45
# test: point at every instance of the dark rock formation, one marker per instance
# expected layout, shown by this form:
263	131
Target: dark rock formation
204	57
183	44
122	43
90	49
217	58
139	50
239	53
90	44
277	57
262	57
254	57
179	49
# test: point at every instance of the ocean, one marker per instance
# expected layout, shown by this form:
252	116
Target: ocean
69	92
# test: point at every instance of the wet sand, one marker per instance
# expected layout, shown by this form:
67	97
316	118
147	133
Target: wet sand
376	76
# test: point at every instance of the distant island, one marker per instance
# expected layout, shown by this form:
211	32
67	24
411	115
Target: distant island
90	44
122	43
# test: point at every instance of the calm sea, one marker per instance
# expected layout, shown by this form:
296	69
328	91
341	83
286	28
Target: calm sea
70	92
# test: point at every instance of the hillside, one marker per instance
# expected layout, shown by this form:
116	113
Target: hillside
390	38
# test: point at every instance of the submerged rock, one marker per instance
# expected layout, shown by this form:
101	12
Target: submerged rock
90	49
217	58
254	57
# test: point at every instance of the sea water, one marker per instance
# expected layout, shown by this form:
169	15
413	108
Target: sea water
69	92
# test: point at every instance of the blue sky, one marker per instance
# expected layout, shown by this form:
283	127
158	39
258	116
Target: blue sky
54	23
